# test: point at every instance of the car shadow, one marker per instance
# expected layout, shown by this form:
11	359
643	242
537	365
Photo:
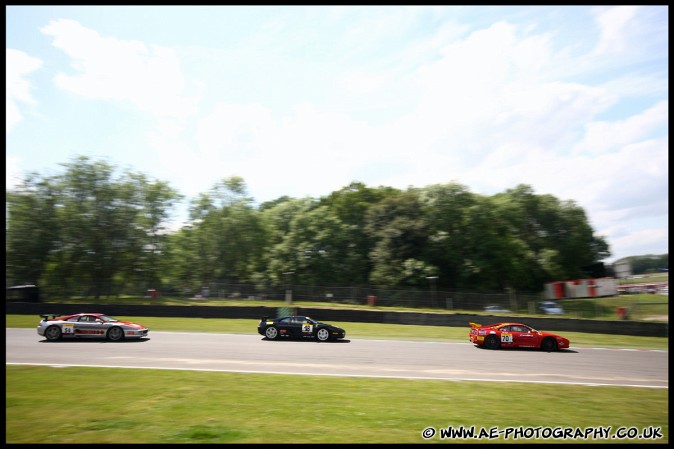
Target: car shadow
95	340
307	340
559	351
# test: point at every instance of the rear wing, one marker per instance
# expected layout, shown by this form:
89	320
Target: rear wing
49	316
474	325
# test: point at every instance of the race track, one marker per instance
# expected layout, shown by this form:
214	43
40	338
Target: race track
356	357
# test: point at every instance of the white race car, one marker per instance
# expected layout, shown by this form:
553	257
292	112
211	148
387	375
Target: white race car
88	325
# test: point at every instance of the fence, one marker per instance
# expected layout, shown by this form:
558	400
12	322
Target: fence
412	298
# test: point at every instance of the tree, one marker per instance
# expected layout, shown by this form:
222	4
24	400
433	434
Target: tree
225	238
350	205
32	229
400	230
445	207
93	229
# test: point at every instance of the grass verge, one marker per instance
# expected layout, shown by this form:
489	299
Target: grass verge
45	404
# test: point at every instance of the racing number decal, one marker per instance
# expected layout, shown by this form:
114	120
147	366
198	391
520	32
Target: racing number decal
68	328
307	328
506	338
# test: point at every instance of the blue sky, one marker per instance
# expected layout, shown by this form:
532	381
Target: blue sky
303	100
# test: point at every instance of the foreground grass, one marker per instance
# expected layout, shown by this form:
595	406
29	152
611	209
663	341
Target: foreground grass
362	330
157	406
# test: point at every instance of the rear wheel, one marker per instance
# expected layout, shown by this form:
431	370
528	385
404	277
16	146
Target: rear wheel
323	335
115	334
492	342
271	333
53	333
549	344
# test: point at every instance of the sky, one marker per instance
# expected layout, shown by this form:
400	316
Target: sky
301	101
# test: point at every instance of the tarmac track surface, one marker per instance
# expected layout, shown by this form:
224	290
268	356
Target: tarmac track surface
357	357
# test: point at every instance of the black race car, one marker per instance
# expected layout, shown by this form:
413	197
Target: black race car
298	327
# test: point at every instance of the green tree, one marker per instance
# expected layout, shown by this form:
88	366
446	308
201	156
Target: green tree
225	239
94	230
350	205
446	207
556	234
282	255
401	233
32	229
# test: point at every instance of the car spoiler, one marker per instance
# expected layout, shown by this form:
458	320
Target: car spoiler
49	316
474	325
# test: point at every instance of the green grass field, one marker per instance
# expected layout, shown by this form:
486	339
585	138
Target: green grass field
106	405
101	405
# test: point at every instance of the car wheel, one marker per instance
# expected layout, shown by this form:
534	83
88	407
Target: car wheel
271	333
549	344
492	342
53	333
115	334
323	335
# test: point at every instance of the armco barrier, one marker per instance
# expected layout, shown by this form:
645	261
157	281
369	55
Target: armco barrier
623	327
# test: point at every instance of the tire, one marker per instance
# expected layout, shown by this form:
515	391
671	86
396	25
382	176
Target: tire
115	334
549	344
492	342
323	334
271	333
53	333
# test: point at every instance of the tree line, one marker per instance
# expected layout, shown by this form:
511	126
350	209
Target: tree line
91	230
646	264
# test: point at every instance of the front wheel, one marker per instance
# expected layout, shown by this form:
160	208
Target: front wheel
53	333
271	333
549	344
492	342
323	335
115	334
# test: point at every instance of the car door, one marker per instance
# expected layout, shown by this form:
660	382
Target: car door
295	327
286	326
524	337
506	336
307	327
89	326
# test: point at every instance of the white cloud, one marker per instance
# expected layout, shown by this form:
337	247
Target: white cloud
148	76
612	23
13	174
604	136
638	242
18	89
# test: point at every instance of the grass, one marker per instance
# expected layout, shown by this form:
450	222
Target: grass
161	406
156	406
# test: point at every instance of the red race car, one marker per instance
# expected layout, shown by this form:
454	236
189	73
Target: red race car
514	335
